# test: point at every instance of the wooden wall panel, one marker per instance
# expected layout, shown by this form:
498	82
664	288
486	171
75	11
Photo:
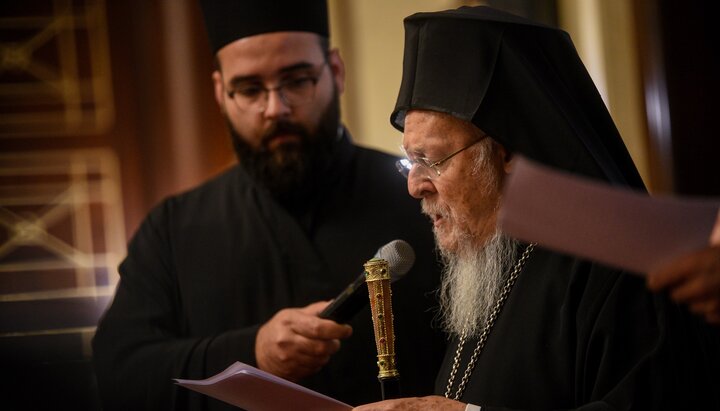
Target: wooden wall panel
680	60
88	138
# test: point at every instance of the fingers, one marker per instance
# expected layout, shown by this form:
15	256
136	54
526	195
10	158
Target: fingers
697	287
282	352
708	308
312	326
673	273
432	402
715	236
297	358
693	280
288	342
314	348
701	264
315	308
292	367
296	343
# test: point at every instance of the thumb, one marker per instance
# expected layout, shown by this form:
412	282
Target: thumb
315	308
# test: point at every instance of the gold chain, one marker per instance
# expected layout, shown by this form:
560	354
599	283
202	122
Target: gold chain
486	331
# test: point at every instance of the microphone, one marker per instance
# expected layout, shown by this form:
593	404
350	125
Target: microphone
377	278
400	257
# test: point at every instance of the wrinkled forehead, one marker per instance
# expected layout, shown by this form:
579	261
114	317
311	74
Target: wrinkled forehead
426	129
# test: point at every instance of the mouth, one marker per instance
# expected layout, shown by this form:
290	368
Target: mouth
437	217
281	139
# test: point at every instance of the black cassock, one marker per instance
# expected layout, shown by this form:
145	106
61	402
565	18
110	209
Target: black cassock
578	335
207	267
572	334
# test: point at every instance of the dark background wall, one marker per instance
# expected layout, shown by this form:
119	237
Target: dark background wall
680	57
88	145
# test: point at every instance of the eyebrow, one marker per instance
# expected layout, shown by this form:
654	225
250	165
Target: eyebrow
237	80
420	151
417	153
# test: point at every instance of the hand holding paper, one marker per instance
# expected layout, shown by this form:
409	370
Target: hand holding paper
253	389
694	279
666	238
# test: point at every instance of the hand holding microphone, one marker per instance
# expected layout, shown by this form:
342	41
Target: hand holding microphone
295	343
400	257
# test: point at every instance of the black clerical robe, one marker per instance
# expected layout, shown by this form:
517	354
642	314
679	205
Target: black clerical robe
577	335
207	267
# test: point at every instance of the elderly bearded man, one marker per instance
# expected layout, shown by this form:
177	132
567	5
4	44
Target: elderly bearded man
533	329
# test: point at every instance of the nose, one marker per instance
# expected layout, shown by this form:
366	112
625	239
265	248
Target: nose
276	105
419	185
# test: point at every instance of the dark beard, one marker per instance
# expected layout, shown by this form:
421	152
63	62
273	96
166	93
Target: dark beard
291	171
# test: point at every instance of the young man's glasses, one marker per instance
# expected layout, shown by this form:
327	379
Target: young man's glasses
295	89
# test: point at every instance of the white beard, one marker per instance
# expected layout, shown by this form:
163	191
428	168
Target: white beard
471	283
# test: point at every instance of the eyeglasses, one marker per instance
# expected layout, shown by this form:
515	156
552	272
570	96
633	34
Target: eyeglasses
294	90
428	169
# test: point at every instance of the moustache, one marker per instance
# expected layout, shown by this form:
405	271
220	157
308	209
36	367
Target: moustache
283	128
434	209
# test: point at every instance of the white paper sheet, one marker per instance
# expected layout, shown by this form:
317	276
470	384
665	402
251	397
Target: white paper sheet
255	390
612	225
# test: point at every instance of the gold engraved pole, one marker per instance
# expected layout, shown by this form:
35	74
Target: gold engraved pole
377	277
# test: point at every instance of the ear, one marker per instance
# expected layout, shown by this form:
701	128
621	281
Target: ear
337	67
219	89
508	158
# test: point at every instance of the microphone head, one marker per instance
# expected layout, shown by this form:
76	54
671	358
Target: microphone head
400	257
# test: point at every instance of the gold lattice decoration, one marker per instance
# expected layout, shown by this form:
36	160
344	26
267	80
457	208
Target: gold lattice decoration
61	236
55	77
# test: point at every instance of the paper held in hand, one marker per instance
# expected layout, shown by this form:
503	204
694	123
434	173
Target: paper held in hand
612	225
255	390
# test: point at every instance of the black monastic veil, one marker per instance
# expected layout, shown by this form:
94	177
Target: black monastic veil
573	334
